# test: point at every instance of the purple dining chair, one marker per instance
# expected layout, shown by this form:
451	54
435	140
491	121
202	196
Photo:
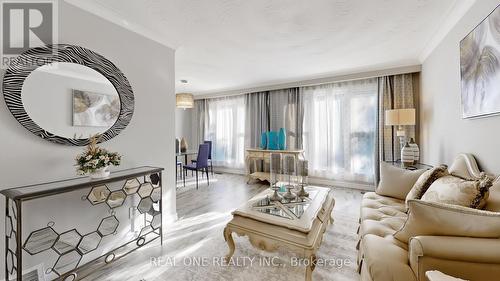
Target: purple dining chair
209	156
201	164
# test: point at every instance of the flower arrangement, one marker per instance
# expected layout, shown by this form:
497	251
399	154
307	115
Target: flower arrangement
95	158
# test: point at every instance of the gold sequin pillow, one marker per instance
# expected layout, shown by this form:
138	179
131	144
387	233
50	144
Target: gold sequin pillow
424	182
459	191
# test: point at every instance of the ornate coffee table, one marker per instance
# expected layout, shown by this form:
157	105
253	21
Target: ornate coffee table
296	225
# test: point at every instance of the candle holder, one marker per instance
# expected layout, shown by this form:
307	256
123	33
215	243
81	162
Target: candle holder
289	196
275	171
289	170
303	171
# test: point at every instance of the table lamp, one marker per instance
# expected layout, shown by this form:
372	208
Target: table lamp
400	117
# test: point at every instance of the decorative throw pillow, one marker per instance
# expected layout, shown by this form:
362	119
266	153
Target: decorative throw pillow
459	191
431	218
396	182
424	182
493	203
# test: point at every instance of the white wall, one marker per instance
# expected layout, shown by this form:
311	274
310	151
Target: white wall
149	138
444	133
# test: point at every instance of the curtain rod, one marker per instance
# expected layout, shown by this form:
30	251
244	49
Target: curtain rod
313	82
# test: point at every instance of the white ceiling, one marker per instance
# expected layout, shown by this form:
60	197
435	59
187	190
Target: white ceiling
235	44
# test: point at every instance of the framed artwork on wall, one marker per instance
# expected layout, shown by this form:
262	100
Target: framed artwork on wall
480	68
95	109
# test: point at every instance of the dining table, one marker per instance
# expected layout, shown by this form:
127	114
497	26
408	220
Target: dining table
185	154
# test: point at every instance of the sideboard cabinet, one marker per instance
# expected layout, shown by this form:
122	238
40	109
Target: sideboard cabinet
255	155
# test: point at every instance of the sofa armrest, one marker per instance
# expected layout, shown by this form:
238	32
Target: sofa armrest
464	257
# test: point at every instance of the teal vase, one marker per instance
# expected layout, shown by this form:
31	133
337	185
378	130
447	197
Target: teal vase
282	139
272	140
263	140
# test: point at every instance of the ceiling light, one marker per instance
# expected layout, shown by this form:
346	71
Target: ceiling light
184	100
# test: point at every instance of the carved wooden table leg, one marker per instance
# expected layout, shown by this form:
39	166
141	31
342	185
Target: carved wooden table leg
230	242
310	267
272	236
247	167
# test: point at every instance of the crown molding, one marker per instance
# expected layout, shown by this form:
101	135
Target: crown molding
451	18
354	75
111	16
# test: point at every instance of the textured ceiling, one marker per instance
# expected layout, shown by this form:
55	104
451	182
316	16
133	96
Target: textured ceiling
232	44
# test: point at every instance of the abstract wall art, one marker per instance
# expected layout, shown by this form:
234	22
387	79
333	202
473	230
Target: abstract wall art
95	110
480	68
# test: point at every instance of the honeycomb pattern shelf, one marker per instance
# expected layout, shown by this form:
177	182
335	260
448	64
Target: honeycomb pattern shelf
71	250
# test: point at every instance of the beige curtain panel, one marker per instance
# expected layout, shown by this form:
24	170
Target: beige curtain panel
395	92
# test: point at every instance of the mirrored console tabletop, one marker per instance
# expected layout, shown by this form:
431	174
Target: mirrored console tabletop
66	229
289	209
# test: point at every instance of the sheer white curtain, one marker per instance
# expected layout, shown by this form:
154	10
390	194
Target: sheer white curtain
339	130
226	129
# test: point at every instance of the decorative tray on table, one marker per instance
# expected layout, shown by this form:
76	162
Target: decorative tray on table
297	214
289	209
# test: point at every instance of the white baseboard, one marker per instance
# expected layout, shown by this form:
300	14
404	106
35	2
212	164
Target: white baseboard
229	171
353	185
312	180
170	218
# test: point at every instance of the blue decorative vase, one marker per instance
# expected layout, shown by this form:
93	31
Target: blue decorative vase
282	139
263	140
272	140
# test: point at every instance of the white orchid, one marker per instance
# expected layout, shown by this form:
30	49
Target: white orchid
95	158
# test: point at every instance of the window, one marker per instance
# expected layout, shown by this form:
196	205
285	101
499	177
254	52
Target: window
226	130
339	130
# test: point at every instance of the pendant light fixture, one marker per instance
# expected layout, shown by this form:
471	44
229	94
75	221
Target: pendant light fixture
184	100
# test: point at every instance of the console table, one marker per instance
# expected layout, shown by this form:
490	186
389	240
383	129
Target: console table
64	230
256	154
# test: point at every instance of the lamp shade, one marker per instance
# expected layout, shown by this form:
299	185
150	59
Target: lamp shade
398	117
184	100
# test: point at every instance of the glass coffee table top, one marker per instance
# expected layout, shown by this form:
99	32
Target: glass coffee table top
290	209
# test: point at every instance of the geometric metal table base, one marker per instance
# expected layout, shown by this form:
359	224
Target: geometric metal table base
70	246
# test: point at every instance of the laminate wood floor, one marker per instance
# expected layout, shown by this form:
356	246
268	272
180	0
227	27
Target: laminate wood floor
194	245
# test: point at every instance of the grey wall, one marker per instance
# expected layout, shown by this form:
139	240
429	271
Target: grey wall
148	140
444	133
183	125
56	116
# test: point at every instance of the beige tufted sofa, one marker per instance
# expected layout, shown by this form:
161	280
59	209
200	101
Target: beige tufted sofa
383	258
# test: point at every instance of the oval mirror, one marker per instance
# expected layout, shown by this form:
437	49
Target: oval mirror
70	100
65	94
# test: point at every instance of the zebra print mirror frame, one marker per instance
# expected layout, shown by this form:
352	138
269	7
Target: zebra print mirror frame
33	58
